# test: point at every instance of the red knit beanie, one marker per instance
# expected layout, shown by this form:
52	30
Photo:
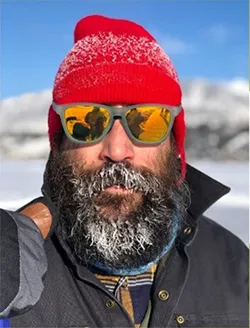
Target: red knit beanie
117	61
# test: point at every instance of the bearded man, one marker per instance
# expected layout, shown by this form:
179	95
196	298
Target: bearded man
119	238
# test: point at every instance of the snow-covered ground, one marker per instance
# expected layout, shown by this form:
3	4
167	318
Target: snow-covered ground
21	181
215	130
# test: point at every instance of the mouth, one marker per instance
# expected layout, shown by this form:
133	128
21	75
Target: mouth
119	189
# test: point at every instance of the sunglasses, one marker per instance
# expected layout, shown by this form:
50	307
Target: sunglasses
88	123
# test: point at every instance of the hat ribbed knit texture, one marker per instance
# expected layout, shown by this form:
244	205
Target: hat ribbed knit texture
117	61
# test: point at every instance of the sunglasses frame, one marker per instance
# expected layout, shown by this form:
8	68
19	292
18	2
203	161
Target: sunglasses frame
115	113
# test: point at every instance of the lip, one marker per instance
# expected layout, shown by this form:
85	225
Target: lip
118	189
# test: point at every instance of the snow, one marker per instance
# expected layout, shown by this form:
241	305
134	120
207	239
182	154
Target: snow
240	141
238	86
21	181
222	108
216	104
32	149
25	114
204	101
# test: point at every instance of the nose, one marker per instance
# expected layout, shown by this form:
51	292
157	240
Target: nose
117	146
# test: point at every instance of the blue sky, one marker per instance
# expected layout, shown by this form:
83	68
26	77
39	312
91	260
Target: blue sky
205	39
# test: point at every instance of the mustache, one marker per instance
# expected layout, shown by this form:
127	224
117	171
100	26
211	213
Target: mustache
121	174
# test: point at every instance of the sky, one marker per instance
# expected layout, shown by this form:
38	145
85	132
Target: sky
204	39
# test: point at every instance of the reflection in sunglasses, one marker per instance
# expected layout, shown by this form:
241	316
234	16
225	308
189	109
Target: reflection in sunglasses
87	123
156	126
149	123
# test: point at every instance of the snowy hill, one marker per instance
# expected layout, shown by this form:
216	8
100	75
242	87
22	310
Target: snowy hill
216	114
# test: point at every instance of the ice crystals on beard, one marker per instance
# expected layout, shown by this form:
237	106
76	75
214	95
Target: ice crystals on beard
120	175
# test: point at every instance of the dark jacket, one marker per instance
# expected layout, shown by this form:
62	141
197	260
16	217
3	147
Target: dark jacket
205	274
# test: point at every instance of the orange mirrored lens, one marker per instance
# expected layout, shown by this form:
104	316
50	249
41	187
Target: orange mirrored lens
149	123
86	123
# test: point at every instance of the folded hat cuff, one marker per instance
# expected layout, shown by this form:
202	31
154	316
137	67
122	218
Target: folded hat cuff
114	83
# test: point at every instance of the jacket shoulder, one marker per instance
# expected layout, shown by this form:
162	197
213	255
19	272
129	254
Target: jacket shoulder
222	259
218	236
216	246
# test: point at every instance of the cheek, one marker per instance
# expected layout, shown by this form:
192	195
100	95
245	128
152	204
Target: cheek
148	157
153	158
68	145
87	155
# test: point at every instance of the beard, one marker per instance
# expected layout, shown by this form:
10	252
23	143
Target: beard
122	230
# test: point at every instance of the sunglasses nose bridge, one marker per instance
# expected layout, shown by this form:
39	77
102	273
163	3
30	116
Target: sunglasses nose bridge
117	113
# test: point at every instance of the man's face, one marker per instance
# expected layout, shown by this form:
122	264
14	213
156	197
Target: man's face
119	202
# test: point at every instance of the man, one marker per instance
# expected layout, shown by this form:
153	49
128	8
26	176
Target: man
125	240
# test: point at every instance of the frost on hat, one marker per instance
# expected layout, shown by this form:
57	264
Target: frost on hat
117	61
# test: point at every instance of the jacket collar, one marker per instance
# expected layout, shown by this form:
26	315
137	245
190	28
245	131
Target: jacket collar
205	191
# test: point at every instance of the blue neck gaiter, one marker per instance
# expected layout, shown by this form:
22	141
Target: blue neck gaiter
102	269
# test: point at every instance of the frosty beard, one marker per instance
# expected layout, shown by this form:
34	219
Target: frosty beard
117	231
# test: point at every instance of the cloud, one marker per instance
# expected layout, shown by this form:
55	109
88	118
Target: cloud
173	45
221	33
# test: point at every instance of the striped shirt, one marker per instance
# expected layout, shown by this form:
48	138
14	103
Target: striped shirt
133	292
